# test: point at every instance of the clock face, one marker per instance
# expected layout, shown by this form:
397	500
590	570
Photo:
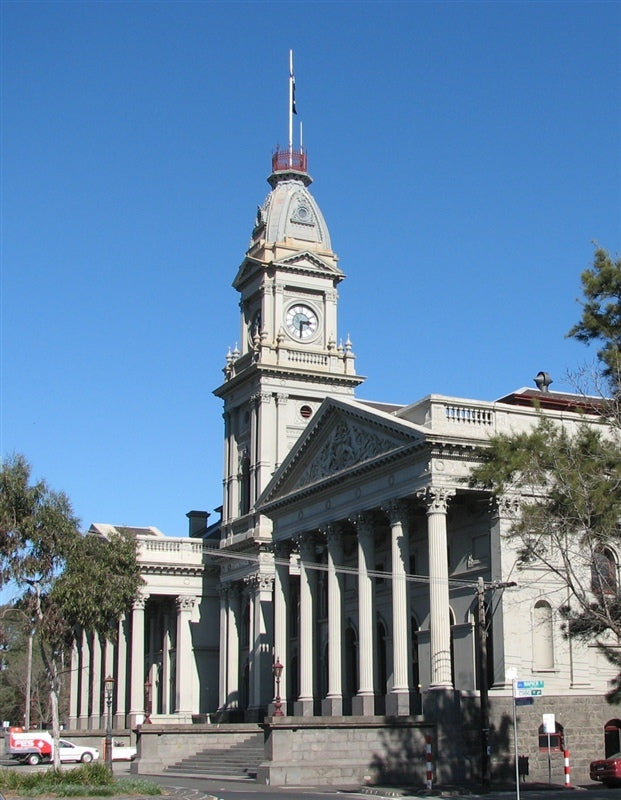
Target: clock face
301	322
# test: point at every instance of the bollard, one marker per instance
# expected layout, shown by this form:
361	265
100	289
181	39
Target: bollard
567	769
429	762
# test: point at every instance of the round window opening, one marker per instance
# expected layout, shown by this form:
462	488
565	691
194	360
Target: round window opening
306	412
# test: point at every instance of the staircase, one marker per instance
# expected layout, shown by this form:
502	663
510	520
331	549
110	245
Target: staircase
240	759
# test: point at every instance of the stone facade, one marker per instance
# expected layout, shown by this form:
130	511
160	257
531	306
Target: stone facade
352	549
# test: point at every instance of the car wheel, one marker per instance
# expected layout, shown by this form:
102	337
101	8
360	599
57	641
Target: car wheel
87	758
33	759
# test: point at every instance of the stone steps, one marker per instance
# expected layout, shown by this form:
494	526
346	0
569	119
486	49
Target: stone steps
240	759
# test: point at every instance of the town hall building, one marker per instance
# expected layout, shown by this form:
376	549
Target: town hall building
352	554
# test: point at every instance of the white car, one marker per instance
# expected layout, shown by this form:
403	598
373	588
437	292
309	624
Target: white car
123	752
69	751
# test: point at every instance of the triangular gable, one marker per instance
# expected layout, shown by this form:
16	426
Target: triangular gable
307	260
303	261
345	436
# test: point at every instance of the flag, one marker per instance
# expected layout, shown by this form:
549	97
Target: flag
293	108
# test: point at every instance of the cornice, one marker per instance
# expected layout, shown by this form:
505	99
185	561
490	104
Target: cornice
173	569
256	370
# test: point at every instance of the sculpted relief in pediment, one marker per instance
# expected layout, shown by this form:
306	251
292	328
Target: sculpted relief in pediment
347	444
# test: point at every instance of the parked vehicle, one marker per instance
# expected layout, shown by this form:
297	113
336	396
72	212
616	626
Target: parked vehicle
123	752
33	747
607	770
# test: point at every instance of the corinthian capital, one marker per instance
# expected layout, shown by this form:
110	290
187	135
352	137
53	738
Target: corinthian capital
436	498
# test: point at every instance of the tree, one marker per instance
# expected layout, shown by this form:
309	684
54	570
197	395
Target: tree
66	581
601	314
568	482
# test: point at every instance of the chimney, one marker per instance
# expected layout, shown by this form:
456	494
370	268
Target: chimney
198	523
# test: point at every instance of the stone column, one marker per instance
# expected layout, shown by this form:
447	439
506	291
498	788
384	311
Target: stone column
223	651
281	431
305	704
109	670
263	464
185	696
136	710
85	681
436	501
232	646
261	587
166	638
121	670
96	717
74	698
332	705
398	700
281	621
364	702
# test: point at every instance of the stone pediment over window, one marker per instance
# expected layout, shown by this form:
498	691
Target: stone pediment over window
344	437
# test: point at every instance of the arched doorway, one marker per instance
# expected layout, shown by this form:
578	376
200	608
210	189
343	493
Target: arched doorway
612	740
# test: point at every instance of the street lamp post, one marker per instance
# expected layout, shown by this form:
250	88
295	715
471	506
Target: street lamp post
109	689
148	704
277	670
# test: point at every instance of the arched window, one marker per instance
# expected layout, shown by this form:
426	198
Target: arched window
244	483
603	572
543	639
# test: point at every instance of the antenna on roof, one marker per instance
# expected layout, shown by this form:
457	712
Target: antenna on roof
292	108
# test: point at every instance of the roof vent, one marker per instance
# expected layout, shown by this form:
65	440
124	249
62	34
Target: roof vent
543	381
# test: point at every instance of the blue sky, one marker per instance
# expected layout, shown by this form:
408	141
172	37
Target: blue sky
465	156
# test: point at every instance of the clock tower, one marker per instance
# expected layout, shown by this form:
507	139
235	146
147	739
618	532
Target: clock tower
288	357
286	361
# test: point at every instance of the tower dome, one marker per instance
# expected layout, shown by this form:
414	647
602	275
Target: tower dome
290	212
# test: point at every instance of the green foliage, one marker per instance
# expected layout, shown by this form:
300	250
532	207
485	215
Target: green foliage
86	780
37	526
565	482
601	314
68	581
572	482
99	583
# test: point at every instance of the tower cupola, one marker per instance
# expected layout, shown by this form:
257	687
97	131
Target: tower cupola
290	213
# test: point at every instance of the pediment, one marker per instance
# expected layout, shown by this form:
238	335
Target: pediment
247	268
345	438
306	260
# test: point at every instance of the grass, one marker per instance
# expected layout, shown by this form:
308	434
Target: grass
87	780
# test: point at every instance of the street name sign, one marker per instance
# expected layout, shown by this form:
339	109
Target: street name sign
529	688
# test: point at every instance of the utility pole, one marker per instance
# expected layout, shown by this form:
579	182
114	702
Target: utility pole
483	676
483	684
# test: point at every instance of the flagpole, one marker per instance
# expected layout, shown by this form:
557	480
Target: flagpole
291	79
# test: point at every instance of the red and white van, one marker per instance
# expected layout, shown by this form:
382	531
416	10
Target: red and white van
33	747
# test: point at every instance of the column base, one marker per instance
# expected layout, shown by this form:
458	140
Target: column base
332	707
363	705
398	704
304	707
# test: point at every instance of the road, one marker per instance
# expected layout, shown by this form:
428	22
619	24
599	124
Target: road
200	788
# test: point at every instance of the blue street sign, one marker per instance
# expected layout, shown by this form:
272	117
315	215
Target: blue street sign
524	701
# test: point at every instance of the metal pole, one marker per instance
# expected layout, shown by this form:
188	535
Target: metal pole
109	688
28	679
515	743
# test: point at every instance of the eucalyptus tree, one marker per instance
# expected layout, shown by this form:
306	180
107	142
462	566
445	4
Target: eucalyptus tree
64	581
